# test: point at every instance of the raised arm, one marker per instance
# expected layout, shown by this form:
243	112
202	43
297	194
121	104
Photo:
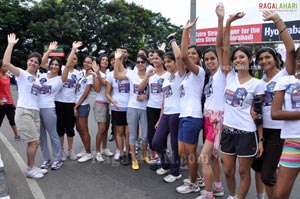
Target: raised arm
219	43
226	50
184	48
12	40
176	50
52	46
96	77
70	63
120	71
286	38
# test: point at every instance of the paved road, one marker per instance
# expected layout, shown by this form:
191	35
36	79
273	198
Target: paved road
90	180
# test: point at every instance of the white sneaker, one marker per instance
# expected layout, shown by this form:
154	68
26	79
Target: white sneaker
232	197
117	155
64	155
203	195
99	157
45	164
56	165
162	171
193	187
107	152
33	173
82	152
85	157
171	178
42	171
72	155
199	181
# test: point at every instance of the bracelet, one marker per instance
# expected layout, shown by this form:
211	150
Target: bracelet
282	30
275	22
171	39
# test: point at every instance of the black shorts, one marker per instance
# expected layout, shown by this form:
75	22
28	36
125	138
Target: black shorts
238	142
9	111
118	118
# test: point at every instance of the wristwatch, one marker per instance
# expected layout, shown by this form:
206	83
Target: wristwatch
262	139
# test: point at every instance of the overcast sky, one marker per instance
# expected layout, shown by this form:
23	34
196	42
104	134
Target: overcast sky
178	10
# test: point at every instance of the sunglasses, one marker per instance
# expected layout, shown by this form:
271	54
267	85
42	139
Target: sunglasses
140	62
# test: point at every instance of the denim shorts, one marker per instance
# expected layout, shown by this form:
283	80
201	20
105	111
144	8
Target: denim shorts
189	129
83	110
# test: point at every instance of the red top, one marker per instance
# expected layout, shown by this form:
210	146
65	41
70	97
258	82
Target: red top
5	95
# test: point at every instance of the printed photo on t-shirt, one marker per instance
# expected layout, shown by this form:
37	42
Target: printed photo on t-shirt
45	89
182	91
167	91
35	89
236	98
294	91
157	87
208	90
136	90
123	87
269	94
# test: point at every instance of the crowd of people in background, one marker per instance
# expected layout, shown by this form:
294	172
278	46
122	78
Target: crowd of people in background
167	98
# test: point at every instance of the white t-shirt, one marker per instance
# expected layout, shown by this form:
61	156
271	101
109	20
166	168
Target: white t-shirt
149	67
67	93
120	91
101	95
191	89
135	80
214	92
171	90
28	90
238	102
80	88
49	89
268	99
291	86
155	90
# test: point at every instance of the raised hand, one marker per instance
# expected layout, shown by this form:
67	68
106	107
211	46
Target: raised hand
76	44
220	11
151	72
53	45
162	46
11	38
236	16
189	24
270	15
118	53
95	66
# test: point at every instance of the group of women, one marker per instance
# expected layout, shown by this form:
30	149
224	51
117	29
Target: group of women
165	99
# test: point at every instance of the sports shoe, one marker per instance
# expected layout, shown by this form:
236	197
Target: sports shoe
82	152
45	164
64	155
218	192
171	178
204	196
189	188
161	171
56	165
85	157
232	197
153	160
135	165
124	160
146	160
17	138
72	154
199	181
117	155
107	152
33	173
99	157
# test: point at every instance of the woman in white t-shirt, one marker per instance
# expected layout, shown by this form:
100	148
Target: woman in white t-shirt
27	111
239	140
136	112
191	117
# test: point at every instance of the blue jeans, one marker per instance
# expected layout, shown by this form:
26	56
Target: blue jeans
48	124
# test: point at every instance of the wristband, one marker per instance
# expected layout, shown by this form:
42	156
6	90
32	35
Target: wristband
171	39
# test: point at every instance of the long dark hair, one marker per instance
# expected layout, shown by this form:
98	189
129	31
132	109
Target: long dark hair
269	50
59	61
248	53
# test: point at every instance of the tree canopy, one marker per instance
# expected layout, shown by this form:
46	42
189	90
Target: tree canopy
101	25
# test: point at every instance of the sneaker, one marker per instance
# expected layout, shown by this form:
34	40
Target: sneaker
162	171
192	187
107	152
135	165
17	138
232	197
124	160
33	173
117	155
64	155
99	157
85	157
82	152
42	171
72	155
204	196
111	137
146	160
218	192
153	160
171	178
56	165
199	181
45	164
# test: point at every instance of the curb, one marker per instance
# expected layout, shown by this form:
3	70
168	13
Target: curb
3	185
